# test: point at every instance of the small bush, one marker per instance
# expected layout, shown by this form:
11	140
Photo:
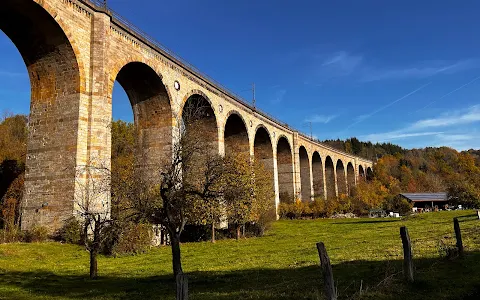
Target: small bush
36	234
127	238
11	235
111	236
291	210
447	250
317	208
71	232
398	204
320	208
264	222
135	238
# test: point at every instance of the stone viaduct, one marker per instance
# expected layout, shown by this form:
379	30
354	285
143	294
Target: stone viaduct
75	50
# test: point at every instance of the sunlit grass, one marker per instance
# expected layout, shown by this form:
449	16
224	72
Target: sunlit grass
281	265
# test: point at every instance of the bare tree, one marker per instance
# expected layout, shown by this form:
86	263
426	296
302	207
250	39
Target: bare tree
190	183
92	206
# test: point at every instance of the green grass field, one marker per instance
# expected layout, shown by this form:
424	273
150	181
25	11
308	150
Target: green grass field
281	265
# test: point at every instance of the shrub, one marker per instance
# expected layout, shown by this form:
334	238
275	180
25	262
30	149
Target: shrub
264	222
127	238
398	204
11	235
293	210
111	236
36	234
331	207
71	232
317	208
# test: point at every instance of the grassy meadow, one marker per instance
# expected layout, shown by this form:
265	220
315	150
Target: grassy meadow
366	256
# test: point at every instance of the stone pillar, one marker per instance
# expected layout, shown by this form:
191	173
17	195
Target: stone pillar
355	171
312	192
296	167
336	180
69	112
275	180
97	139
221	140
324	181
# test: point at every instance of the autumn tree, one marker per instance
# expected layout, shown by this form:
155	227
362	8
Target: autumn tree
13	147
263	206
239	190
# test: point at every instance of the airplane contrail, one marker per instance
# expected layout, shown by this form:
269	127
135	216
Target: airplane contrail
449	93
388	105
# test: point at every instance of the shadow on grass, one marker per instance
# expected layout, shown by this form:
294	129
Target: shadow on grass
467	218
368	221
435	279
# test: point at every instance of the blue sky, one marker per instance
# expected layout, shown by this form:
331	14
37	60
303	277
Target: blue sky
407	72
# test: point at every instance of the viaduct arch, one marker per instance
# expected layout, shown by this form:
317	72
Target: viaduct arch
75	50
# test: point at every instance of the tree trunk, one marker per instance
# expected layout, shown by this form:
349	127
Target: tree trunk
243	230
213	233
238	232
93	264
176	256
94	249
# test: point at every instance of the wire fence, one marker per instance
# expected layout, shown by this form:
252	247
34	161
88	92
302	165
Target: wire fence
123	22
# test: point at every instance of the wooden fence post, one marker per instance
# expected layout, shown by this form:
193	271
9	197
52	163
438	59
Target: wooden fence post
330	292
407	254
182	287
458	236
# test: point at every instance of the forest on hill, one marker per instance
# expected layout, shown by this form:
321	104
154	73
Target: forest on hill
396	169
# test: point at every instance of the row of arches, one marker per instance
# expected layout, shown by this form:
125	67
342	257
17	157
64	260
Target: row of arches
62	120
325	179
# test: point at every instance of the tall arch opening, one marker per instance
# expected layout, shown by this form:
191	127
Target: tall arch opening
369	174
55	89
317	172
263	151
199	121
330	178
152	118
341	181
285	171
350	177
198	138
236	137
305	174
361	173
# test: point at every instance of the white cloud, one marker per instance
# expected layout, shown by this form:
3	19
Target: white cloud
424	70
396	135
320	119
340	64
343	64
454	132
471	115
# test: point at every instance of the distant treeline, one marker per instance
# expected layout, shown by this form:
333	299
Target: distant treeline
367	150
